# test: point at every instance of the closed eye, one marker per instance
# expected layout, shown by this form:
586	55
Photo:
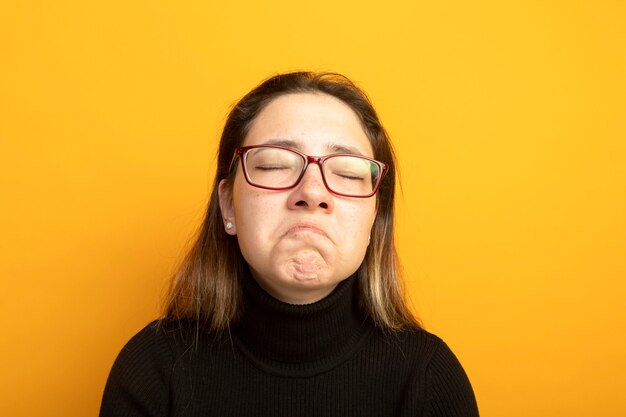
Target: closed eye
271	167
349	176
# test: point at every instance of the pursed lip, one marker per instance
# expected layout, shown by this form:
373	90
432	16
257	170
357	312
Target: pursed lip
305	227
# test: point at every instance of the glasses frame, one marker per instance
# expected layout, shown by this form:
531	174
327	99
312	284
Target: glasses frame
308	159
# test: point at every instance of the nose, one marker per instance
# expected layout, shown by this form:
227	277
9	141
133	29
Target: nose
311	192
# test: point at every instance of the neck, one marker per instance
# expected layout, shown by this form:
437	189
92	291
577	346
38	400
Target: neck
281	334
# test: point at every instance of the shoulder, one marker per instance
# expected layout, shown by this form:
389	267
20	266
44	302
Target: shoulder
146	353
144	348
445	386
160	345
165	342
411	349
431	347
140	378
155	342
414	342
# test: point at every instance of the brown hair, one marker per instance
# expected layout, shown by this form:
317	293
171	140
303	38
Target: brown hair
206	287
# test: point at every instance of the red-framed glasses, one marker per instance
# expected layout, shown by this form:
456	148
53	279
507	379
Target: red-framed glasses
274	167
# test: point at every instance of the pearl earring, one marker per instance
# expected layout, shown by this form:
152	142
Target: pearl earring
229	225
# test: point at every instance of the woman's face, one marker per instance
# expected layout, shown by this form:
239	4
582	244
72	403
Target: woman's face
300	243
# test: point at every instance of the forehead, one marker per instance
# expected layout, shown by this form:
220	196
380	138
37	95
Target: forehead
314	123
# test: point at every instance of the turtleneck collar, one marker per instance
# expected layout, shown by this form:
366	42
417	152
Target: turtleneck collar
304	339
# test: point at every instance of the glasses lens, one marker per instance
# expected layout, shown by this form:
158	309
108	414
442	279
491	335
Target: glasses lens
351	175
273	167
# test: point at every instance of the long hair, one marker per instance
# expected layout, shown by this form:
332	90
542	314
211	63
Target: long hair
207	285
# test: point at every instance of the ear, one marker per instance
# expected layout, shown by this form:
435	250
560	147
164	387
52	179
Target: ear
225	194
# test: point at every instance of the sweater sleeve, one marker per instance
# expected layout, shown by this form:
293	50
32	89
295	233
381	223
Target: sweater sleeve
450	392
138	384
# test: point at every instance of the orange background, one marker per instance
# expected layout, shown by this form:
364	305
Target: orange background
509	119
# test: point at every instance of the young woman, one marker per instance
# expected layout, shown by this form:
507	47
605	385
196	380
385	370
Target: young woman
289	302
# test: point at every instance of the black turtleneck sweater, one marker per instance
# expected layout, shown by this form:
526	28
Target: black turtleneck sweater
321	359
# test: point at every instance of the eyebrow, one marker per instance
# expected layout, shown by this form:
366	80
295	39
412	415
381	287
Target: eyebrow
332	148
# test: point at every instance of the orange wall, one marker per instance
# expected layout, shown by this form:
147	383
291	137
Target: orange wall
509	120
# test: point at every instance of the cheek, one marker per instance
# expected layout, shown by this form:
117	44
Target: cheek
358	223
245	202
255	216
